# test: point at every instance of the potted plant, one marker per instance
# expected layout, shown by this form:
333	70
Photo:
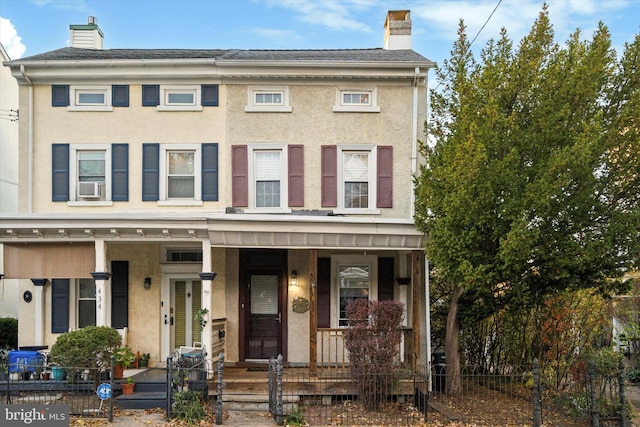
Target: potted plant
127	386
201	317
4	363
123	357
144	360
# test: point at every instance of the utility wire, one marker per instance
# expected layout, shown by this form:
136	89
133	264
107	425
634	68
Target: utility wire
477	34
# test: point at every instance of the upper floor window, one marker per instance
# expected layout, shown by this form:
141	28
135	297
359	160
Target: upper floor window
357	178
90	98
179	97
267	174
91	174
356	100
180	174
267	177
268	99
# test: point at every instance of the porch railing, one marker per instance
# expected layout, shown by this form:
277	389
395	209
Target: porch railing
332	354
218	332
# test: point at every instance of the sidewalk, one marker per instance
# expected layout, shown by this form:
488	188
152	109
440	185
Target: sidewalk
142	418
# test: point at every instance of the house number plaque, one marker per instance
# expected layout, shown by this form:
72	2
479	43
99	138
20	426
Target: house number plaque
300	305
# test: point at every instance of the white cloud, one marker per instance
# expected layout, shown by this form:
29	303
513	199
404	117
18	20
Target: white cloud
10	39
332	14
62	4
275	36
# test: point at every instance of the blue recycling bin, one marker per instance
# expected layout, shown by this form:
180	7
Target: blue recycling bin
23	360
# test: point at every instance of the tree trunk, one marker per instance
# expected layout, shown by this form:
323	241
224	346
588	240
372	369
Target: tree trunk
453	384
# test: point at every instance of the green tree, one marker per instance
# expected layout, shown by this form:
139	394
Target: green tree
530	184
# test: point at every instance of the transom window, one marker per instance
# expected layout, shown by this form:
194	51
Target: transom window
180	174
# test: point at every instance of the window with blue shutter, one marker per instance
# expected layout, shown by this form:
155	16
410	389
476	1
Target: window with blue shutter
150	95
150	172
120	95
59	95
209	95
210	172
59	306
120	172
60	173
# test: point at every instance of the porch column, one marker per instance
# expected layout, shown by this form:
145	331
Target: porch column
207	277
39	302
416	287
313	311
101	276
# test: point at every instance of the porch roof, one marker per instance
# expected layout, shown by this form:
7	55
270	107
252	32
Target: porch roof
222	230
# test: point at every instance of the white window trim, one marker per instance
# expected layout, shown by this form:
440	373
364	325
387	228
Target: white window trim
336	261
371	210
75	91
73	175
197	182
340	107
165	90
284	182
252	107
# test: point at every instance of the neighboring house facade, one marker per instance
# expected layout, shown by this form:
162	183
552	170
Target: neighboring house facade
268	187
8	172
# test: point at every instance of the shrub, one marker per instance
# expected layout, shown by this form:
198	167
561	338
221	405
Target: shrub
189	407
372	338
95	343
8	332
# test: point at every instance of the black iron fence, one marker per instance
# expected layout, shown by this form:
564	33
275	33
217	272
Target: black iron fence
85	385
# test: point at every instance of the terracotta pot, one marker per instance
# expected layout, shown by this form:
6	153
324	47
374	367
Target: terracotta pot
46	375
127	388
118	371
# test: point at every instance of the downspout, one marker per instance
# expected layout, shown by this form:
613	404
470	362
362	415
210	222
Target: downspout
30	136
414	139
428	320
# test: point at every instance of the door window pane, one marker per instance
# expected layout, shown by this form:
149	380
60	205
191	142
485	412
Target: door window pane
353	283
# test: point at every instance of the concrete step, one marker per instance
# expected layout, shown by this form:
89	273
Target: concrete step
142	400
256	402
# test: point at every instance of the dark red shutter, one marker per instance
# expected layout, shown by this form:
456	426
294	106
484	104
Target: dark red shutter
239	176
329	171
296	175
385	177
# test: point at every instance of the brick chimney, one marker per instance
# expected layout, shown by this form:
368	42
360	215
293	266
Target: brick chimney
397	30
87	36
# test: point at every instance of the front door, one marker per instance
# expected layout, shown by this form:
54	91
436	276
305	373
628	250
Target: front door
185	301
263	315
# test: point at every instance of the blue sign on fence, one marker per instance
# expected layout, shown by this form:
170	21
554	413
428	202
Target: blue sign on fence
104	391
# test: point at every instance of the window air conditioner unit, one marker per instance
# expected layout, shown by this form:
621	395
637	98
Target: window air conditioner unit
90	190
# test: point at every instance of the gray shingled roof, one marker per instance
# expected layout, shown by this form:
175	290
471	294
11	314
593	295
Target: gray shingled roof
346	55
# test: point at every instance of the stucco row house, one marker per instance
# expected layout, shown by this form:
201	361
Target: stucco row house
267	187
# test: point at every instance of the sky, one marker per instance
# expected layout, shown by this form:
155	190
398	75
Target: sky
29	27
